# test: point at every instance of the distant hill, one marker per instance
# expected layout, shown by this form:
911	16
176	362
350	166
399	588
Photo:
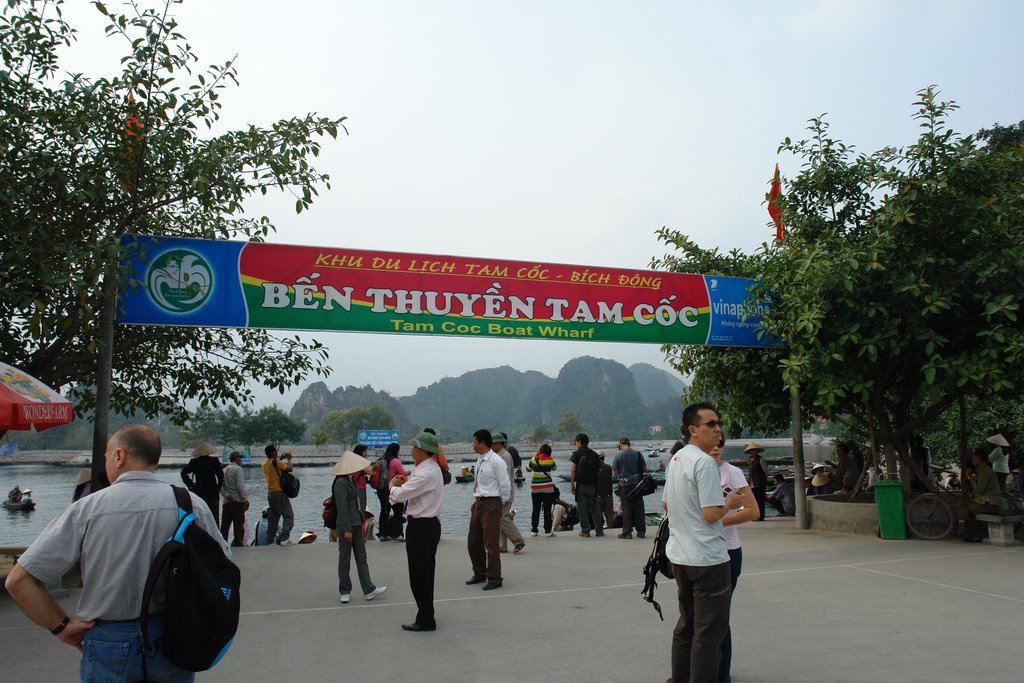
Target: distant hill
654	385
609	399
481	398
317	400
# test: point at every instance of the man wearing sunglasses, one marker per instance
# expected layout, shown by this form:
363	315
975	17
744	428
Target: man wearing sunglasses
696	546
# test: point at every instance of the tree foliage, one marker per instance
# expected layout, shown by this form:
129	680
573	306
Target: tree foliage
268	425
87	159
342	426
569	424
896	288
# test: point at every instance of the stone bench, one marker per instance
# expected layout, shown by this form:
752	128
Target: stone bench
1000	527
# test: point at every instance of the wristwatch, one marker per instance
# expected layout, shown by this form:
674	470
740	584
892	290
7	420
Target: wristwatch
61	626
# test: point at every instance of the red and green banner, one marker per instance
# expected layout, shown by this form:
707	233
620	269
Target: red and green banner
248	284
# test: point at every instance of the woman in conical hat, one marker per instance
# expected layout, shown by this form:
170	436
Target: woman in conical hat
350	528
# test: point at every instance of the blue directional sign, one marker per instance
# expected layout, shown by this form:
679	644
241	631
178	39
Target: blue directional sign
379	438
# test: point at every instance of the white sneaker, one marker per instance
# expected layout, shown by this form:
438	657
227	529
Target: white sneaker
376	593
551	535
288	542
533	533
344	598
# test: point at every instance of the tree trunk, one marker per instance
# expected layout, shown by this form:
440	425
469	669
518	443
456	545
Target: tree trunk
104	378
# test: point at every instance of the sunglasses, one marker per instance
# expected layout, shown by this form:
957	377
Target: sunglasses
713	424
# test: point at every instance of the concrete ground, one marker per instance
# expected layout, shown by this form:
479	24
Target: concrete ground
810	607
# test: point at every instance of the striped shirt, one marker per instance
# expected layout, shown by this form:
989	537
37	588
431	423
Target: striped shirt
541	465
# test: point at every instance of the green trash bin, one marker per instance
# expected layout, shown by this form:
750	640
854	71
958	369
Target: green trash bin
889	502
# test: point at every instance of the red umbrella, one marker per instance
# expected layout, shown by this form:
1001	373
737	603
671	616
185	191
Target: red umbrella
25	402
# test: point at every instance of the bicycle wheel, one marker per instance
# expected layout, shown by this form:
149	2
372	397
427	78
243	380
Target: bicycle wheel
929	517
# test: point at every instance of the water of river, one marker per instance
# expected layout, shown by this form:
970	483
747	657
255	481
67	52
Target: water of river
52	487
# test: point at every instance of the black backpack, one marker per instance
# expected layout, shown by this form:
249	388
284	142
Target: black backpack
201	587
657	563
588	466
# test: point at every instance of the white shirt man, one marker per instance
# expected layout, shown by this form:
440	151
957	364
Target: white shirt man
697	548
491	490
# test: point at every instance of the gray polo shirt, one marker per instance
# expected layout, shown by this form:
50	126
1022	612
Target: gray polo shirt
116	533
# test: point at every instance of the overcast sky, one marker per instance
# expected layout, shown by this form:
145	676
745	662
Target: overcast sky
571	131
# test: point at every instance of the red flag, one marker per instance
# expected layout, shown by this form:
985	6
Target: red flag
774	210
133	143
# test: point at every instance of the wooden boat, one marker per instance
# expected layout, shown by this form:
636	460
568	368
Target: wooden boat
21	505
465	475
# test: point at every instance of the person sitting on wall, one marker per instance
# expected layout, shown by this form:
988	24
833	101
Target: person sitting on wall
984	500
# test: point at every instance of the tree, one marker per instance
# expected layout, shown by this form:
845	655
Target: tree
244	427
895	289
569	424
540	434
342	426
85	160
271	425
219	426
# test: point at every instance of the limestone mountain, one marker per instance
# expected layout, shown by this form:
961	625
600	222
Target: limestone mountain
488	398
609	398
654	385
317	400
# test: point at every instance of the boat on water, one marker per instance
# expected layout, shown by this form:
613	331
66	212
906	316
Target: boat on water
20	501
465	475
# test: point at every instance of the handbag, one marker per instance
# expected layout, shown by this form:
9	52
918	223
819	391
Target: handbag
289	483
644	487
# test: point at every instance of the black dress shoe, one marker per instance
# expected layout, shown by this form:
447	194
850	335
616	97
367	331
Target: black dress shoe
417	627
476	579
491	585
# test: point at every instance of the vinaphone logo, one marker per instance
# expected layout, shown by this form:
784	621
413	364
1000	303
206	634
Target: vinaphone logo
179	281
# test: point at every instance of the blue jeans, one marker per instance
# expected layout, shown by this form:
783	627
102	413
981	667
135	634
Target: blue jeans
112	652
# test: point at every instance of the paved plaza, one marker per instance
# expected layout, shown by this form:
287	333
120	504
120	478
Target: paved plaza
809	607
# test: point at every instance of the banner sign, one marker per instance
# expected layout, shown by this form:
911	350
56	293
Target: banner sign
379	438
178	281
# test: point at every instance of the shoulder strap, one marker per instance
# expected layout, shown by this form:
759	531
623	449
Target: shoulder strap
186	516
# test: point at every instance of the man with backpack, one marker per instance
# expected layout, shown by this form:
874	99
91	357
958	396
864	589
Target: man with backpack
583	484
130	520
280	505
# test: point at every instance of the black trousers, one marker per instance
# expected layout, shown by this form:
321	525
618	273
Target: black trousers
542	502
759	495
233	515
213	502
421	539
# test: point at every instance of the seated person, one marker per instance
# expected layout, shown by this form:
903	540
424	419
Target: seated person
782	498
14	495
26	496
984	500
820	483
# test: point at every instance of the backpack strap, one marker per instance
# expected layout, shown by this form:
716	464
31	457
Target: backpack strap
653	566
186	516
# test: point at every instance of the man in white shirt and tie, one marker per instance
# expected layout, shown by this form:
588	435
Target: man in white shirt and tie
492	488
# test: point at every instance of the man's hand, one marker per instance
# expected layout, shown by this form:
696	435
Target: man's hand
733	500
397	481
74	632
347	535
572	487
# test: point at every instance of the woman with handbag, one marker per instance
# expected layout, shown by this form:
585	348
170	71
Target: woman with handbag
350	527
